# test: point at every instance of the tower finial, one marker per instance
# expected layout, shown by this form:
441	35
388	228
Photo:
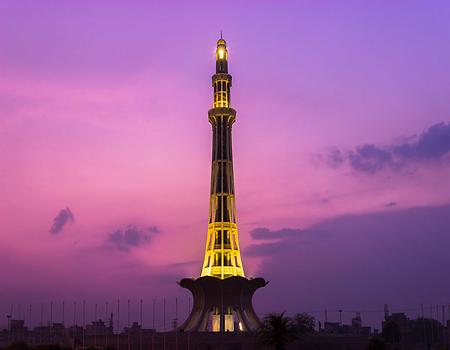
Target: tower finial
221	34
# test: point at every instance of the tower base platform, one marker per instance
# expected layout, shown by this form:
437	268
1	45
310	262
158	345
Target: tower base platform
222	305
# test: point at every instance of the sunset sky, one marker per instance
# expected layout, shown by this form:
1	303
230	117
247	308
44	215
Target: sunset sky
341	151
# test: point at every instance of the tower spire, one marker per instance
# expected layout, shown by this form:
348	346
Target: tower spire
222	254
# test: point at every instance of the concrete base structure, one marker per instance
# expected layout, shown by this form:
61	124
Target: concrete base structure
222	305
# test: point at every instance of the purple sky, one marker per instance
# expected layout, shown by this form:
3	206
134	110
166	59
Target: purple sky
341	150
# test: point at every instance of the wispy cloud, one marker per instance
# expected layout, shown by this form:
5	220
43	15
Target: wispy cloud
262	233
131	237
64	217
369	158
431	145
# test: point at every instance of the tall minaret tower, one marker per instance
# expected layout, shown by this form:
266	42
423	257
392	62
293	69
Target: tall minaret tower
222	255
222	294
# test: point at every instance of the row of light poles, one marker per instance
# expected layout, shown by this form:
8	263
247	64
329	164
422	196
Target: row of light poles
109	309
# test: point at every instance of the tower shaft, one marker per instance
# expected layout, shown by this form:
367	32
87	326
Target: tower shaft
222	254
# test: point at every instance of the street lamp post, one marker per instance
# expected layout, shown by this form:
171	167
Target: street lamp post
9	327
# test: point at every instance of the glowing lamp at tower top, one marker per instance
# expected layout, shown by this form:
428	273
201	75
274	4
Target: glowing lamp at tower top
221	50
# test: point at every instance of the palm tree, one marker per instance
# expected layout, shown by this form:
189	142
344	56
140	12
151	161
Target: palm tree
277	330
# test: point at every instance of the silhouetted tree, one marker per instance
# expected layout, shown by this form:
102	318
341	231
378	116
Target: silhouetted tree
391	332
304	324
376	343
427	331
276	330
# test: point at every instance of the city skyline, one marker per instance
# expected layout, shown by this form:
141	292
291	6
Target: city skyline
343	156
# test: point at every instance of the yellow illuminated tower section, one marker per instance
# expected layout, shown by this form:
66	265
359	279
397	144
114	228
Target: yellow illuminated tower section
222	254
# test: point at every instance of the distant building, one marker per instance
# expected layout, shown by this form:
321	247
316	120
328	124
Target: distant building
427	332
355	328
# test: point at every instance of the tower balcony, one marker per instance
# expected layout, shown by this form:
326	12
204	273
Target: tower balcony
228	271
225	246
222	114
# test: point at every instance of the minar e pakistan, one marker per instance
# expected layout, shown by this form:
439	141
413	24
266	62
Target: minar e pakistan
222	294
